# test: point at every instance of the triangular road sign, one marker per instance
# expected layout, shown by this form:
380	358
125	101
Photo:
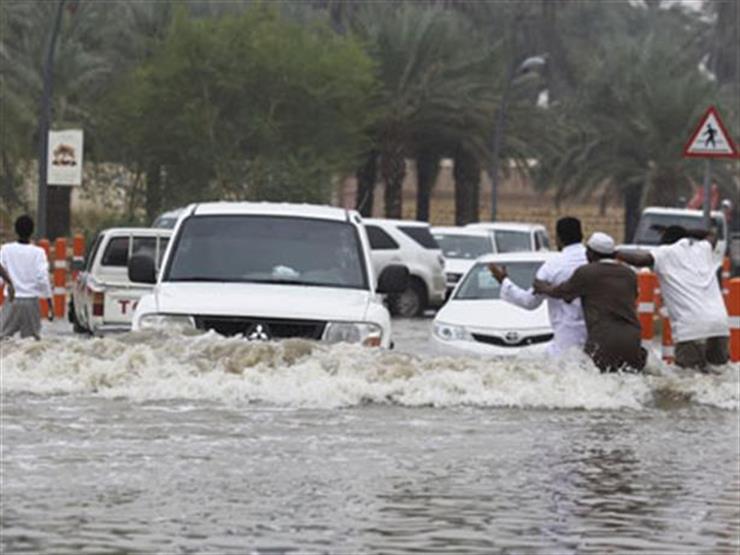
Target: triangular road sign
710	139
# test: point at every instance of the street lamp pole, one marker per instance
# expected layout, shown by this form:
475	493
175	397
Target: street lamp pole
45	121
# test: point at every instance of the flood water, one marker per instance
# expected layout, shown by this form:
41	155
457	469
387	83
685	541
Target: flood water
167	444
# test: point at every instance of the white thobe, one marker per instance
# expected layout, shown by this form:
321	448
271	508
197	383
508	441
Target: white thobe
28	268
568	324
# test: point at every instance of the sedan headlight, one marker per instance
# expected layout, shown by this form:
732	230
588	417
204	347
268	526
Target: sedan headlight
448	332
173	322
365	333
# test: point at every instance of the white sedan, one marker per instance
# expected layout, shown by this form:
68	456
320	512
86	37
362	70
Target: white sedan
475	321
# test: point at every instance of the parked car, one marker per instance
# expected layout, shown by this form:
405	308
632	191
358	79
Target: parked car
269	271
168	220
103	298
654	218
409	243
516	237
475	321
461	246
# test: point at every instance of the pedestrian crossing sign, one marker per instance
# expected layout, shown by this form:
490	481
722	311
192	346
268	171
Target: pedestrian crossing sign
710	139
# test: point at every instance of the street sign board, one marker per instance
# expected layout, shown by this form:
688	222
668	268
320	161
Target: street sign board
65	157
710	139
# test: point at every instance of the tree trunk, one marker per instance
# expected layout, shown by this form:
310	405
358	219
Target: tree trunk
467	187
427	168
367	175
153	191
393	171
632	200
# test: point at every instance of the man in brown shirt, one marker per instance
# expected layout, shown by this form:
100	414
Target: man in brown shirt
608	291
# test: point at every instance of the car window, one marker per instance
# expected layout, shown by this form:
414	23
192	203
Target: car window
512	241
148	247
268	249
421	235
480	284
379	239
466	247
544	240
92	253
116	252
537	242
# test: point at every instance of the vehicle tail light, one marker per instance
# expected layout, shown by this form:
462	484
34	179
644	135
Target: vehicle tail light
97	305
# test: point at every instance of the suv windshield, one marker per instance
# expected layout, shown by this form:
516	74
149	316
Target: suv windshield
480	284
468	247
649	229
512	241
268	249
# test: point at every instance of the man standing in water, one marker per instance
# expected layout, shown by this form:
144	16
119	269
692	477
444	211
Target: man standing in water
608	291
686	270
569	327
28	270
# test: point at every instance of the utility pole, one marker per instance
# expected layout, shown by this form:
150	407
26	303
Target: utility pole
45	122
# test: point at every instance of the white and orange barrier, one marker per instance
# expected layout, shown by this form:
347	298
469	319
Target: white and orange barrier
733	308
725	281
60	277
646	306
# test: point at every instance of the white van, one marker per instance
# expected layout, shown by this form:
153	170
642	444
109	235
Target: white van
269	271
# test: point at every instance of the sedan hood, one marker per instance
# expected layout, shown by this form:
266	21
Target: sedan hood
262	300
493	315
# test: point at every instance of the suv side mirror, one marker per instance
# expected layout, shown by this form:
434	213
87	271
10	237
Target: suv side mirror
394	279
141	269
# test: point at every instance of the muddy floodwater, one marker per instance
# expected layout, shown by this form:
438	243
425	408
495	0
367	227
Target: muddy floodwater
156	443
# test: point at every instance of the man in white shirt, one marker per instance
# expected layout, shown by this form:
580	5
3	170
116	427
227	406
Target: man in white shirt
568	324
687	273
28	270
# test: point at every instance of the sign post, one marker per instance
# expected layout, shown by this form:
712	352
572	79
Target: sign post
710	140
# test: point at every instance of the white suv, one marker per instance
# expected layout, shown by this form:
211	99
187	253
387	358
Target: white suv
411	244
269	271
516	237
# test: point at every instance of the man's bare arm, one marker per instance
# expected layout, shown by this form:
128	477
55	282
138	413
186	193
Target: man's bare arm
6	278
639	259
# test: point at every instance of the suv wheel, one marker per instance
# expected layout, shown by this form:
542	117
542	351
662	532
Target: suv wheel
410	303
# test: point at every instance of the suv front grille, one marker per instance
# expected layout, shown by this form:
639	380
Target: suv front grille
261	328
523	342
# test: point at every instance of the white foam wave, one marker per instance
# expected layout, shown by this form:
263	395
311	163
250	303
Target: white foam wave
299	373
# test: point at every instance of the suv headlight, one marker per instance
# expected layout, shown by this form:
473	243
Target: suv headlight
367	334
448	332
174	322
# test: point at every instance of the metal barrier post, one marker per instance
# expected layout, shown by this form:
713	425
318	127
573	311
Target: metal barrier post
60	276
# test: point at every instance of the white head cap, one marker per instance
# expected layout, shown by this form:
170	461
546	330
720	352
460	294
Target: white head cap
601	243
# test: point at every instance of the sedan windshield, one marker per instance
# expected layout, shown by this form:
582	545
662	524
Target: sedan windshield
467	247
480	284
649	230
512	241
268	249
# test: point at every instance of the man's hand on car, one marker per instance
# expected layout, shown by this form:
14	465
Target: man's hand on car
498	272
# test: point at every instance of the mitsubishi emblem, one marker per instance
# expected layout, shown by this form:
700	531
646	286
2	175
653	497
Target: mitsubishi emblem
258	332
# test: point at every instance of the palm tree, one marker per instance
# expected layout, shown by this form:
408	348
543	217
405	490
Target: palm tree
434	85
637	103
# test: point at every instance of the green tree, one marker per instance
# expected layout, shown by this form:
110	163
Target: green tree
249	106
